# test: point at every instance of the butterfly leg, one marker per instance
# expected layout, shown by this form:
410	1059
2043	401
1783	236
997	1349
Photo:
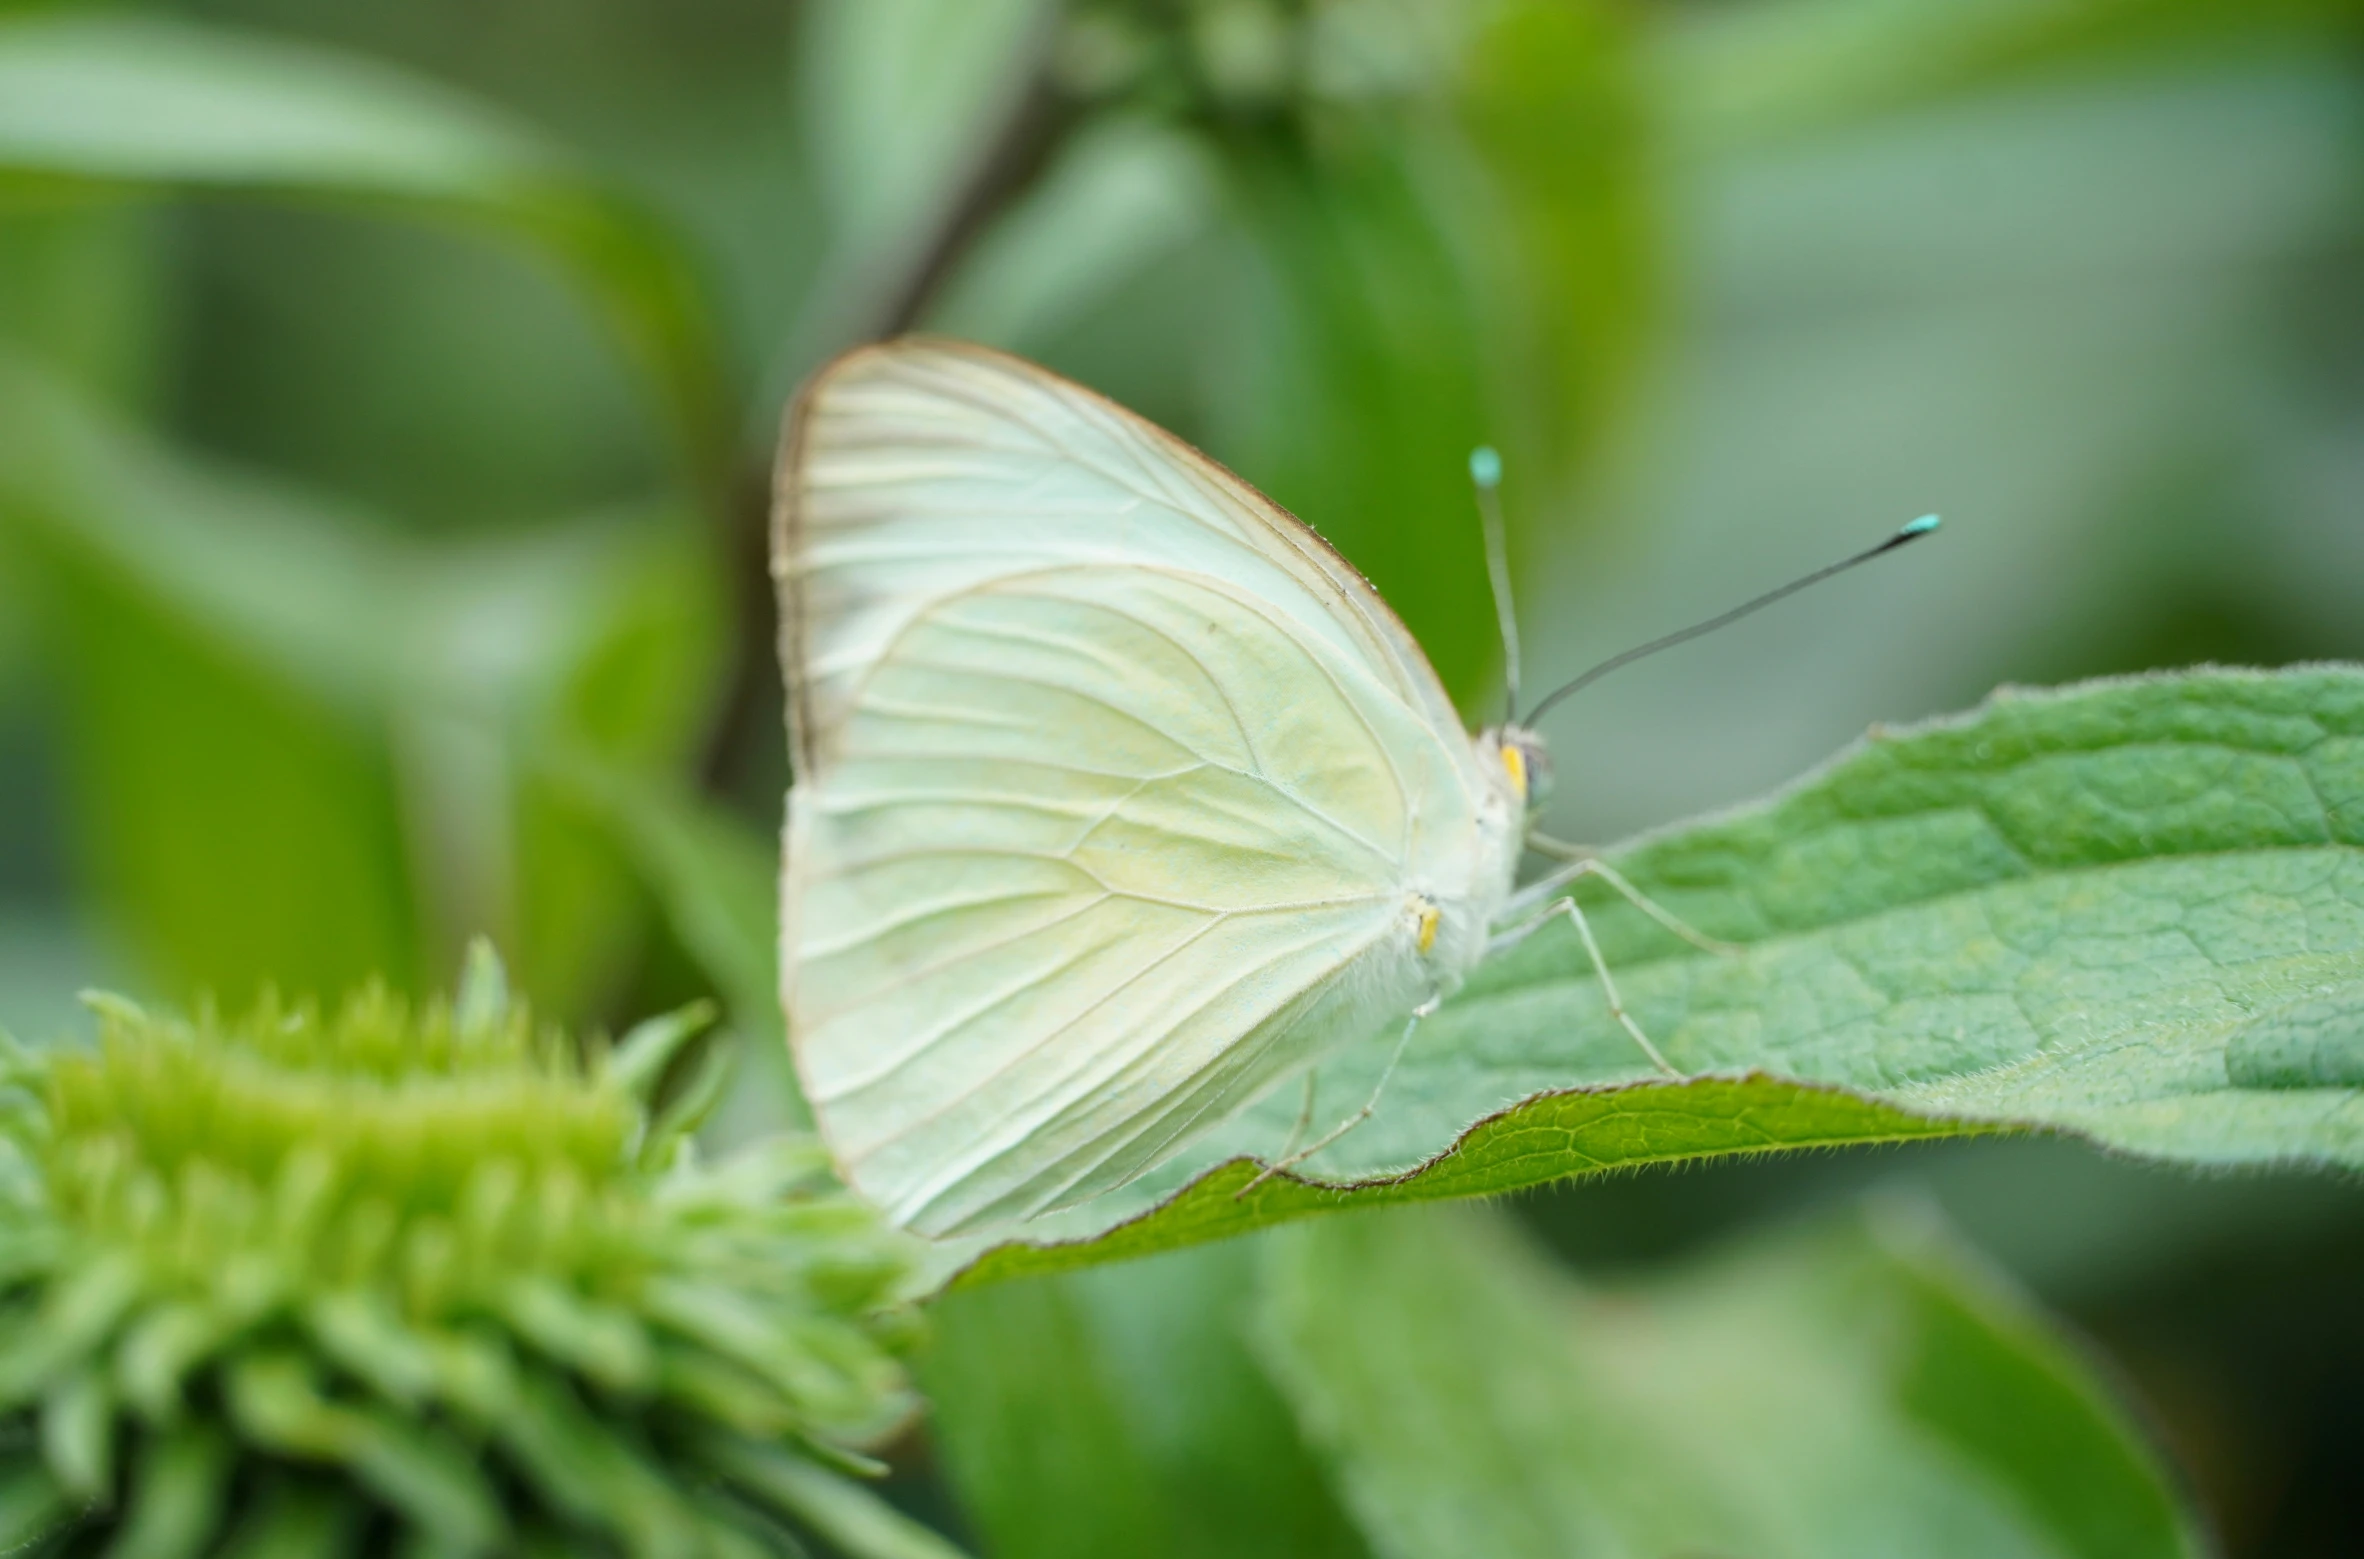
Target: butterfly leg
1600	967
1558	849
1304	1117
1592	949
1290	1159
1552	884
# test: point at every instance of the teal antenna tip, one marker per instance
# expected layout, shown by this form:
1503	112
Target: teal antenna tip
1485	466
1921	527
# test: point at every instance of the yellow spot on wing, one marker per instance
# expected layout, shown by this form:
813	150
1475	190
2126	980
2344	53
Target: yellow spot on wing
1429	917
1514	763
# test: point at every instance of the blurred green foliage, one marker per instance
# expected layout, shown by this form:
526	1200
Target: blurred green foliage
1857	1384
385	395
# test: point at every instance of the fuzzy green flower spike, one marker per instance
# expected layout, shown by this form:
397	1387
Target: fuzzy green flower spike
424	1282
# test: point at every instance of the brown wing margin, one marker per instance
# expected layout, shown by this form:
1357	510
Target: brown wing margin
787	529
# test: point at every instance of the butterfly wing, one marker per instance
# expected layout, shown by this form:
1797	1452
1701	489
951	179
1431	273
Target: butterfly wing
1113	787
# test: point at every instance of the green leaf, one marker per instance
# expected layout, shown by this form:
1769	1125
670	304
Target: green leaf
1755	74
218	646
153	101
901	95
83	287
2054	912
1445	244
714	875
1354	384
640	1059
1851	1388
715	879
1552	104
907	103
2316	1043
304	748
1120	1412
144	102
599	636
1123	194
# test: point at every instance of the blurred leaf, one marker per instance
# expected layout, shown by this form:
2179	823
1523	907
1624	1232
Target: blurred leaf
44	962
715	879
1124	194
2053	912
1119	1412
715	876
144	99
1041	1454
482	998
1851	1388
218	647
298	743
2033	308
600	636
293	587
907	103
1756	72
1451	247
144	102
1560	223
84	287
1352	389
898	90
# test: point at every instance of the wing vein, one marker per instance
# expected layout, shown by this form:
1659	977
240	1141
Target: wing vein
1035	1046
925	971
1020	1128
814	952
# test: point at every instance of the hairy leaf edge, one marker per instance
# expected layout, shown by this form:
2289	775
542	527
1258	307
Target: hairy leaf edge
1285	1197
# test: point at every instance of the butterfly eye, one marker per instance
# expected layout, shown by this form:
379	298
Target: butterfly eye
1527	764
1538	765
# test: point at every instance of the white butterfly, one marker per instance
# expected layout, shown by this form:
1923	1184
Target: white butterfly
1119	795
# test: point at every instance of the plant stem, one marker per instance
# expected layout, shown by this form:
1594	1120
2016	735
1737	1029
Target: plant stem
749	714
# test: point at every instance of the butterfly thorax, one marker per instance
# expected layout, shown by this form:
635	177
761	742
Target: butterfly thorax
1512	767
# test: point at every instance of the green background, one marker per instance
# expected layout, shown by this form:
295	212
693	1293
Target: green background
385	393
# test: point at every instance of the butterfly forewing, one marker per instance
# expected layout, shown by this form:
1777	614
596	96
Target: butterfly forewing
916	468
1112	786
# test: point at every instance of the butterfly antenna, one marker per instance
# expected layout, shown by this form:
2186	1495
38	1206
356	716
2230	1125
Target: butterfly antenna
1485	473
1910	533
